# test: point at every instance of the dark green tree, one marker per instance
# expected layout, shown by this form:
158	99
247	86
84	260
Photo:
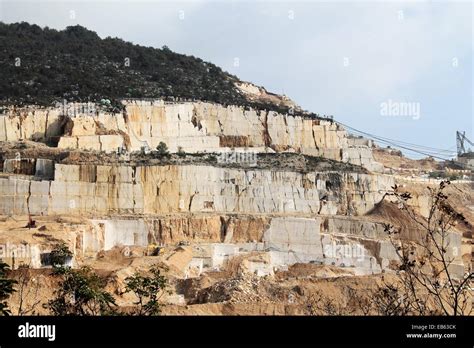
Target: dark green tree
162	149
147	289
6	288
81	292
59	255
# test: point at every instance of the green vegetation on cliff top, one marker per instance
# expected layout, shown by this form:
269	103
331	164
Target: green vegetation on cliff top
44	66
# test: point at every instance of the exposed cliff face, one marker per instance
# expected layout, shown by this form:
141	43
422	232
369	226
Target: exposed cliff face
288	216
359	246
206	215
195	127
232	211
94	189
250	197
38	124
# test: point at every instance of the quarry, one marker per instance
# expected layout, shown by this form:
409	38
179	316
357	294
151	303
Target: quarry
248	212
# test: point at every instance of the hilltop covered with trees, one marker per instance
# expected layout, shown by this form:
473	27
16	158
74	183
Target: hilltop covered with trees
43	66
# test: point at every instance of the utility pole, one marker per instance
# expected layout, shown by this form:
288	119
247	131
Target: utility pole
460	139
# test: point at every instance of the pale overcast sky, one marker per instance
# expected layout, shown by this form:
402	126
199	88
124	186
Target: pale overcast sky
342	58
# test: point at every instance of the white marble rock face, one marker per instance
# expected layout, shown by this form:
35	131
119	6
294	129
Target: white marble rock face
79	189
311	218
192	126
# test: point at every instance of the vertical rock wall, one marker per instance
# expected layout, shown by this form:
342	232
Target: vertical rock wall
193	126
95	189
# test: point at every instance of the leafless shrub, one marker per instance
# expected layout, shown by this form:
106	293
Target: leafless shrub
27	291
426	282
